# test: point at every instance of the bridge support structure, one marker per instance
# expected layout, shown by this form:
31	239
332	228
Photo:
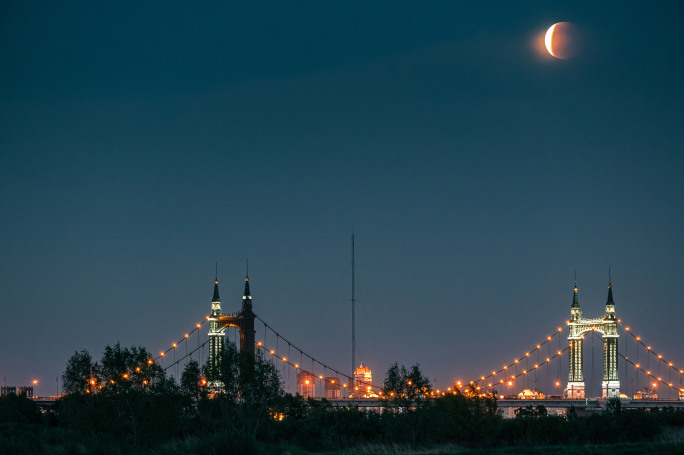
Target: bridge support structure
579	326
219	322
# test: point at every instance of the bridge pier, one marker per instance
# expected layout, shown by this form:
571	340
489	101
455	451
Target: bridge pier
579	326
219	322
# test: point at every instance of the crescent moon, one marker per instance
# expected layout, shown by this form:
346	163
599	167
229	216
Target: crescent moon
548	40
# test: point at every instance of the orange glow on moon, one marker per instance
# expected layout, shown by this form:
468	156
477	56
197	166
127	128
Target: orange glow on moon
561	40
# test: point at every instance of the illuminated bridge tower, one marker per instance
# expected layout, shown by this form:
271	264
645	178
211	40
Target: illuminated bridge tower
610	384
219	322
217	334
579	326
575	343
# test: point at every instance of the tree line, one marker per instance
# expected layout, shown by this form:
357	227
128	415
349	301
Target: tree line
126	403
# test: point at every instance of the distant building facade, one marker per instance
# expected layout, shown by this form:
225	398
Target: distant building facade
332	387
306	384
20	391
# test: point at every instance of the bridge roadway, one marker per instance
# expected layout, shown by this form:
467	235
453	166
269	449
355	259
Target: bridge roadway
589	404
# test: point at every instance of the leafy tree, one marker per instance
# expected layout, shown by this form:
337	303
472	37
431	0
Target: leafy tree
191	380
409	385
79	373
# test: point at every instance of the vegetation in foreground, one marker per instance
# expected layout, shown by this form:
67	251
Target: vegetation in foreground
126	404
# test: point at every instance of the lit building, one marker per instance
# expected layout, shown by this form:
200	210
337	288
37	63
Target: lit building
332	387
533	394
646	394
306	384
363	382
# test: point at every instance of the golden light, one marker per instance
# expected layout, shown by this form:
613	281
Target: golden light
161	354
548	338
409	382
259	343
559	353
272	352
527	354
137	369
560	329
125	375
510	383
538	346
306	382
92	382
638	338
187	335
199	325
648	347
296	365
150	361
660	356
320	377
284	359
654	385
35	381
557	383
145	382
627	329
516	360
174	345
548	359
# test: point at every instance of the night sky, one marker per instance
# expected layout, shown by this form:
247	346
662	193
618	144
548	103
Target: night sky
142	142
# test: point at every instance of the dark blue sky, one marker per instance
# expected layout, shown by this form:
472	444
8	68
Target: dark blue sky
141	143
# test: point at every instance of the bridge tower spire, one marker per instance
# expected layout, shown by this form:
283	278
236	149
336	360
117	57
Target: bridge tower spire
216	334
575	344
246	321
610	384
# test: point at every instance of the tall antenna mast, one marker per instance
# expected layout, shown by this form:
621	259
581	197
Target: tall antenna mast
353	300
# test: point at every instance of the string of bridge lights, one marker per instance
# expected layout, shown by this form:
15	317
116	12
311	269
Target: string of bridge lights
186	337
649	350
649	374
516	361
314	361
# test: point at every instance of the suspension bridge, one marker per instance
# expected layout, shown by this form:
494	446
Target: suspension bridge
633	370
